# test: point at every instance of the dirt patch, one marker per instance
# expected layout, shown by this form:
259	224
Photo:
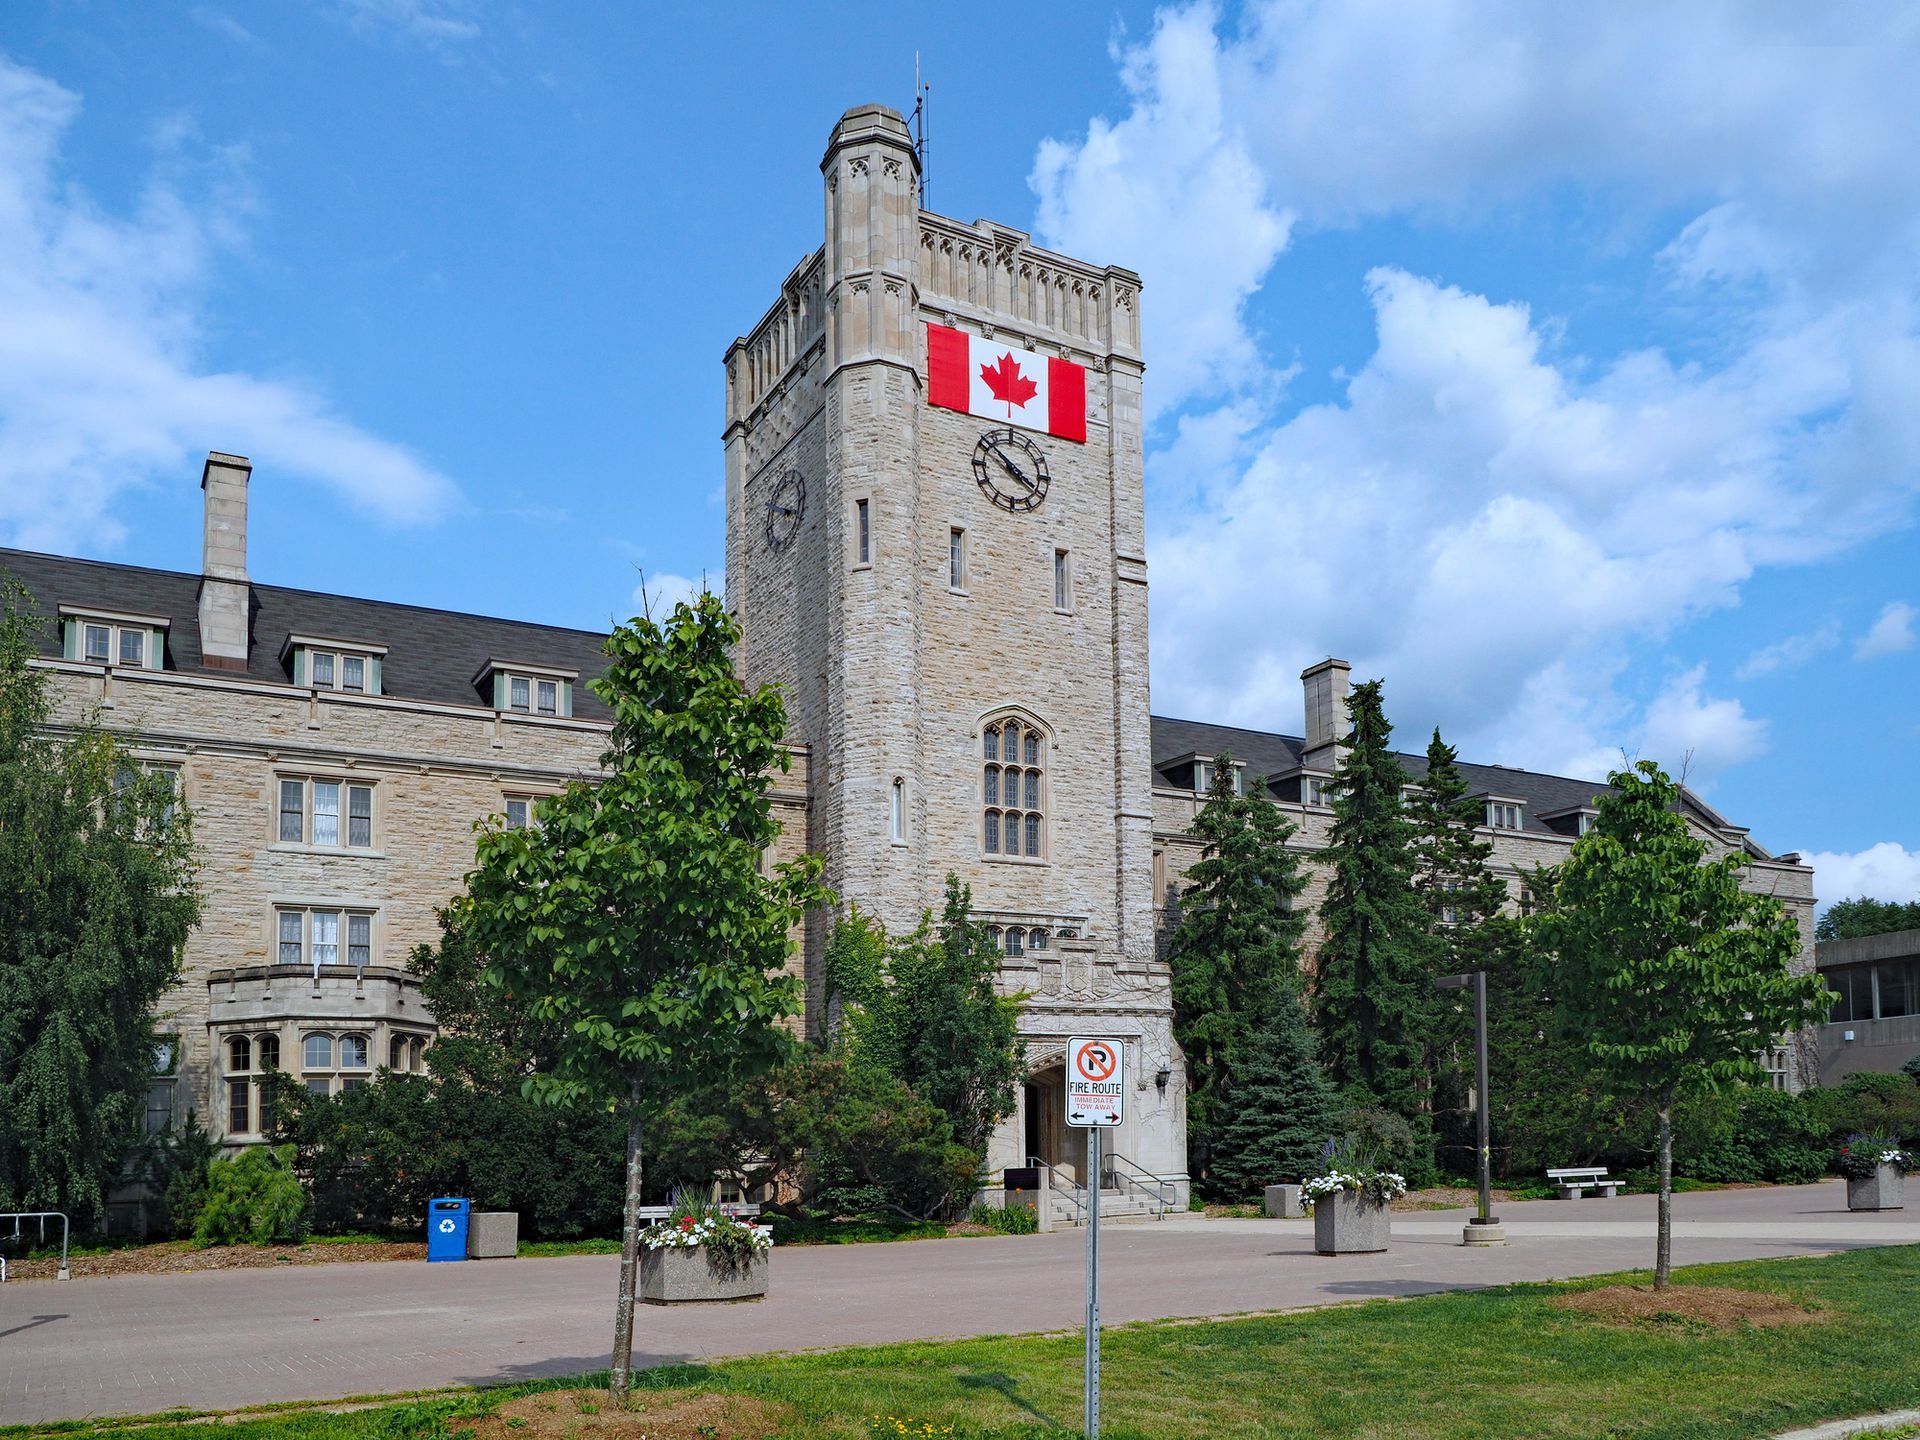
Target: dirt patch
1713	1307
178	1256
653	1415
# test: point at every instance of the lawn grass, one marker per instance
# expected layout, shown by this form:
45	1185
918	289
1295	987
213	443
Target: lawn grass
1486	1365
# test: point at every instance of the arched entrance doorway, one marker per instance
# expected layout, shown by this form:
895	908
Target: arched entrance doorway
1045	1134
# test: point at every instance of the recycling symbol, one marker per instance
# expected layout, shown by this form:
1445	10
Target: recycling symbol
446	1227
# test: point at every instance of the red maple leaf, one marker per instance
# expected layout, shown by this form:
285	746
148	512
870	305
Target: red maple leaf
1007	383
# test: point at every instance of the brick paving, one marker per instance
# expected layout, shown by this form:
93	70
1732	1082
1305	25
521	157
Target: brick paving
224	1339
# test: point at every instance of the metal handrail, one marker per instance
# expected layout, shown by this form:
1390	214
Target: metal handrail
42	1216
1061	1183
1160	1194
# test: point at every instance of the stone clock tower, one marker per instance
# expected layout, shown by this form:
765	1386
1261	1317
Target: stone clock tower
957	609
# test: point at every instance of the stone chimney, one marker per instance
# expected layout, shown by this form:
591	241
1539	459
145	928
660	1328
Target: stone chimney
1325	685
225	596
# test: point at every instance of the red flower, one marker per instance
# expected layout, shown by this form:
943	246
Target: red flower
686	1222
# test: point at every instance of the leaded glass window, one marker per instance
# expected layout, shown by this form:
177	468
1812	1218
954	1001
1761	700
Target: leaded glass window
1012	789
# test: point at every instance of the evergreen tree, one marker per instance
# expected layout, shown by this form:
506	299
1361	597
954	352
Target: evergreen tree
1235	951
1463	901
1373	984
1456	887
1284	1108
97	897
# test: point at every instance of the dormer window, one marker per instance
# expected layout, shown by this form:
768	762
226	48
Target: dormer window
1503	814
350	667
1205	770
99	637
527	689
1317	790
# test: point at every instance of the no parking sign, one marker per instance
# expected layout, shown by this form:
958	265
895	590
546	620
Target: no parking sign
1096	1092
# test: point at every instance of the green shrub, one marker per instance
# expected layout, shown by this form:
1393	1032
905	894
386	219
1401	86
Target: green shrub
1007	1219
1912	1069
253	1198
1867	1104
1771	1136
1388	1140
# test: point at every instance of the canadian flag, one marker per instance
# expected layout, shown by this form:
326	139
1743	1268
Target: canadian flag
997	382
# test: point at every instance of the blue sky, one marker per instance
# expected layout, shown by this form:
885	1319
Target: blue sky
1556	364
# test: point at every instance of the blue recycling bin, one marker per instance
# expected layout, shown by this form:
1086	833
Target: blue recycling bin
447	1228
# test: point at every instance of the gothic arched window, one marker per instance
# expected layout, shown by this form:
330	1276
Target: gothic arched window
1013	788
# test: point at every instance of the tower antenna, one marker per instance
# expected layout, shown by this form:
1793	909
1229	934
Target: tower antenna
920	93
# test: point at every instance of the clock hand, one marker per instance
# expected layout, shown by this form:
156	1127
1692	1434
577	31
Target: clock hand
1012	469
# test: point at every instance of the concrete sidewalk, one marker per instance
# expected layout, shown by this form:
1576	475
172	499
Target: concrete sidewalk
243	1337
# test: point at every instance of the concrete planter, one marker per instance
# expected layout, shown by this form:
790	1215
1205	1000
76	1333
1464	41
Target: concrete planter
1344	1223
493	1235
1284	1202
1879	1191
675	1276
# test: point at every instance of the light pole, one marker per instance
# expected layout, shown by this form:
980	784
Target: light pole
1483	1229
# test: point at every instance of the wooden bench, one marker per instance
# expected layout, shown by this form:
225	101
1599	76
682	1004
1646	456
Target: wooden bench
1576	1181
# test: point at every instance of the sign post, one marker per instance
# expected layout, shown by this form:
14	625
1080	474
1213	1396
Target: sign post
1096	1101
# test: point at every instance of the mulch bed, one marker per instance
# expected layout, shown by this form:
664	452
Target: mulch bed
1714	1307
653	1415
174	1257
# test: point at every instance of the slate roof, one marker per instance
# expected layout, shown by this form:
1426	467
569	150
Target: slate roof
1269	754
432	655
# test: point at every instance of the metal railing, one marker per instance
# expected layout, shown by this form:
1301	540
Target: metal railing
42	1216
1062	1184
1156	1191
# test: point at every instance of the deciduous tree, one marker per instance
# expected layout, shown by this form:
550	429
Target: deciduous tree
1851	919
1676	977
636	915
97	898
924	1011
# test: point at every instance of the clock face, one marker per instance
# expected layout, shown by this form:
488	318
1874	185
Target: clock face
785	506
1011	470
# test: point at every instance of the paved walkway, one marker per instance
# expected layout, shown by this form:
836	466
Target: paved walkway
241	1337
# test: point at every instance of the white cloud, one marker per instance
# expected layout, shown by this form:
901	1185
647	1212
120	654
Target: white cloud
1790	653
101	385
656	595
1476	525
223	24
1887	871
1171	191
1695	734
443	26
1492	519
1890	634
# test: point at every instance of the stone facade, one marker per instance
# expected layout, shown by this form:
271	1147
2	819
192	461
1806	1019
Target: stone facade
894	673
895	669
1542	823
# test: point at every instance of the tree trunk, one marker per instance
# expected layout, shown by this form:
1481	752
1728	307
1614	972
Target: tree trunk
622	1376
1663	1243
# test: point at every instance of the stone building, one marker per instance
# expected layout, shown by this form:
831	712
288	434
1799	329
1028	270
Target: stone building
958	609
334	754
1531	819
953	596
